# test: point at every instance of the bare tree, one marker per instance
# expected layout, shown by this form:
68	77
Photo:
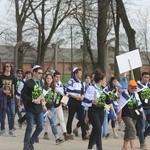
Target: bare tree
23	12
48	19
129	31
102	32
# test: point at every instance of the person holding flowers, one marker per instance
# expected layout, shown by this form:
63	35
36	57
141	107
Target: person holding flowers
50	115
143	90
96	101
129	109
34	107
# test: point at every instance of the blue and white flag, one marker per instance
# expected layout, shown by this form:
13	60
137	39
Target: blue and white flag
88	97
125	97
141	86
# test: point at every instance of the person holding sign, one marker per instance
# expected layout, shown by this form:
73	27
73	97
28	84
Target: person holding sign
144	94
130	107
34	107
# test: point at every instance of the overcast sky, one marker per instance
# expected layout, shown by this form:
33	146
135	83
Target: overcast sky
7	18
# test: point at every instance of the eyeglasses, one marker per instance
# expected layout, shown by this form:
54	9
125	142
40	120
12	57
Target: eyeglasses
40	72
19	72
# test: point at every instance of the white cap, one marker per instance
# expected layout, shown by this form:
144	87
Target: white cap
75	68
35	67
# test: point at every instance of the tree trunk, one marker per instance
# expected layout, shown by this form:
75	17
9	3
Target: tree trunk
116	22
103	8
129	31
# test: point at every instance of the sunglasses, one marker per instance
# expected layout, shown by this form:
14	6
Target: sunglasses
40	72
134	88
8	66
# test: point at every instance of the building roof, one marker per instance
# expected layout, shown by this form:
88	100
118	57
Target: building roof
64	54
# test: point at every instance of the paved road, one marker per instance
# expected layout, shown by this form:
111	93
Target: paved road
16	143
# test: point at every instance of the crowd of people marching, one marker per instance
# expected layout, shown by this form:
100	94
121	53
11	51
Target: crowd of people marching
93	102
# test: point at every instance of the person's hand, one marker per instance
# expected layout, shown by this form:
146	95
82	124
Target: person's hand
43	102
44	108
119	119
36	101
115	116
144	117
81	97
86	120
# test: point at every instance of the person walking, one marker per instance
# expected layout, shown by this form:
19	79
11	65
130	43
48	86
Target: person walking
75	91
28	75
50	97
143	90
130	107
7	82
34	107
58	104
97	99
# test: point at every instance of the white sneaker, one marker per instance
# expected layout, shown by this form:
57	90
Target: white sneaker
2	132
11	133
116	135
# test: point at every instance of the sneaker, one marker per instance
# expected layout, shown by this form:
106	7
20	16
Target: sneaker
70	137
59	141
14	128
75	132
107	135
2	132
46	136
65	136
116	135
19	125
143	146
37	140
31	147
85	138
11	133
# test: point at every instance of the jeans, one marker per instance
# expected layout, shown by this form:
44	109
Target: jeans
96	118
140	127
52	121
147	114
104	129
112	118
2	118
11	113
31	118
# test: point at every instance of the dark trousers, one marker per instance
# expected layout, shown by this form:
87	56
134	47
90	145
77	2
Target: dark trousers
96	117
75	107
22	119
2	118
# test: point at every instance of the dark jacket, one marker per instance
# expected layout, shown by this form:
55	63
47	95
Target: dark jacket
26	95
